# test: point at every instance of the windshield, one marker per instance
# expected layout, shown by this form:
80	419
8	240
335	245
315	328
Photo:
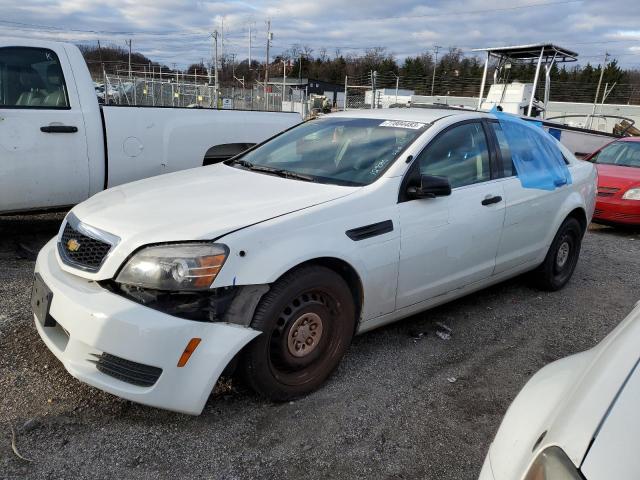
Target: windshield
342	151
625	154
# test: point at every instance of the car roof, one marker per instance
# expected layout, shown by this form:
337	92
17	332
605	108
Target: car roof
629	139
427	115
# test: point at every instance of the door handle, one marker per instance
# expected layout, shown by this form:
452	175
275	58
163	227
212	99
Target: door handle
489	199
58	129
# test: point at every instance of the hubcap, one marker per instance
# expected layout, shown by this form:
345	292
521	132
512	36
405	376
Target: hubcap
304	334
563	254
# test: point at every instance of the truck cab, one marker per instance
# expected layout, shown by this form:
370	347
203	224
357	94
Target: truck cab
59	146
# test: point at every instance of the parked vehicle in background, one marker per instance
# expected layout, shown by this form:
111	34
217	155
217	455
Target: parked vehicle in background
112	94
334	227
58	146
618	164
577	418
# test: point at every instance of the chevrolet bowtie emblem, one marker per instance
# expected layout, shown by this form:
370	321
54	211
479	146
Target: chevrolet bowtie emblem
73	245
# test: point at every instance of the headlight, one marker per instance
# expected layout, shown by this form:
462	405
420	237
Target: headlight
632	194
185	266
553	464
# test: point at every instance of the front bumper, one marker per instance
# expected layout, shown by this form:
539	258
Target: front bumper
487	472
91	321
617	211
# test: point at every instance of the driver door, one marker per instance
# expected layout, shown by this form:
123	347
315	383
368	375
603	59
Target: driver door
450	242
43	146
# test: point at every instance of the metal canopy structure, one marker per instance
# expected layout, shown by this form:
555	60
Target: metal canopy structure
546	54
531	53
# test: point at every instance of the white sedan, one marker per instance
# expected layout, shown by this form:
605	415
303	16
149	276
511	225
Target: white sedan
279	256
577	418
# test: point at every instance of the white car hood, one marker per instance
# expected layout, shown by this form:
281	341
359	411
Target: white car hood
198	204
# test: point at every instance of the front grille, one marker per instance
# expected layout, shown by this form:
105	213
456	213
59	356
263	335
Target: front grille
80	250
127	371
607	191
598	211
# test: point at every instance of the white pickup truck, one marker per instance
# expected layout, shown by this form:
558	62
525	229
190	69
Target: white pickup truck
58	146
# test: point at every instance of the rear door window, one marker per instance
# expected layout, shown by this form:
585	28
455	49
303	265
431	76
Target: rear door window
31	78
505	152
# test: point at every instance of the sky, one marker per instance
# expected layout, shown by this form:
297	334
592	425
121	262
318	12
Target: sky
179	32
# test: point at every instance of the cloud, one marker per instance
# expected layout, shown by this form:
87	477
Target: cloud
179	31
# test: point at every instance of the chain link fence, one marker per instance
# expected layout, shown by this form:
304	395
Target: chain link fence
189	91
193	91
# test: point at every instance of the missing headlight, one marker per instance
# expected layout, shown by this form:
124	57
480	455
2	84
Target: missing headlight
206	306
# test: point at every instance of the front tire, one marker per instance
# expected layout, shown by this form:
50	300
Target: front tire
307	320
562	257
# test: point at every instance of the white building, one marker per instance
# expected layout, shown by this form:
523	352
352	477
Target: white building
385	97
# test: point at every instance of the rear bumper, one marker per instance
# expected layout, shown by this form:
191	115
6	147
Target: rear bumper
91	321
617	211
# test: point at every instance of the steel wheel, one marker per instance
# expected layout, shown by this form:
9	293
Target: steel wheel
307	320
562	257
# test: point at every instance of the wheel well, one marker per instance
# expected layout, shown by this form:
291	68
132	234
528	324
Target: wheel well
581	217
219	153
348	273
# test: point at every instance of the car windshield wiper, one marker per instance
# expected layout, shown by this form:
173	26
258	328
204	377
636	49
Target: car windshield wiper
295	175
274	171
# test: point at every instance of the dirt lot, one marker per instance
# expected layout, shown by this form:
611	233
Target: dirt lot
404	403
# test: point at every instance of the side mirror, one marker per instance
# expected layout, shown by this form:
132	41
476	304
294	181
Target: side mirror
431	186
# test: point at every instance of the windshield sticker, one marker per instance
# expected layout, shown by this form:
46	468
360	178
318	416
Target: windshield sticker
378	167
402	124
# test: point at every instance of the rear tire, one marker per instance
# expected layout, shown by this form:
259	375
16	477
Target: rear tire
307	320
562	257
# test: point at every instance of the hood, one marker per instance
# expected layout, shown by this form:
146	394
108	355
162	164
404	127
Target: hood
616	176
198	204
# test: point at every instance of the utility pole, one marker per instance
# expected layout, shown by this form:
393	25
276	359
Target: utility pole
104	76
436	48
374	75
266	65
300	69
129	43
215	69
284	81
249	46
595	101
346	85
397	85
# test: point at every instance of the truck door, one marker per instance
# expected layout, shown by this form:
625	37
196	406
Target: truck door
43	145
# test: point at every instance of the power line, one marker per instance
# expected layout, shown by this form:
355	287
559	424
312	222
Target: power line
32	26
205	32
467	12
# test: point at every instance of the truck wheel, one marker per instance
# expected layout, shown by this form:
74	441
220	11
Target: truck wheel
562	257
307	320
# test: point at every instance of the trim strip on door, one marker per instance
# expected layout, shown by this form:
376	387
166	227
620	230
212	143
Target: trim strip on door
368	231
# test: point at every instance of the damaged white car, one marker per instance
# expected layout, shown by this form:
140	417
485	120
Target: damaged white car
275	259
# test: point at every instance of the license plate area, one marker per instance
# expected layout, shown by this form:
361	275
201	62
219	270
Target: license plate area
41	297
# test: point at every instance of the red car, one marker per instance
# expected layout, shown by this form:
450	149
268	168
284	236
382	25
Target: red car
618	200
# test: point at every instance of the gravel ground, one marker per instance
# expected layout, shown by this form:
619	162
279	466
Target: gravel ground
404	403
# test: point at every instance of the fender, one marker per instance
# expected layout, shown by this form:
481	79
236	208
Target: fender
581	196
264	252
531	414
